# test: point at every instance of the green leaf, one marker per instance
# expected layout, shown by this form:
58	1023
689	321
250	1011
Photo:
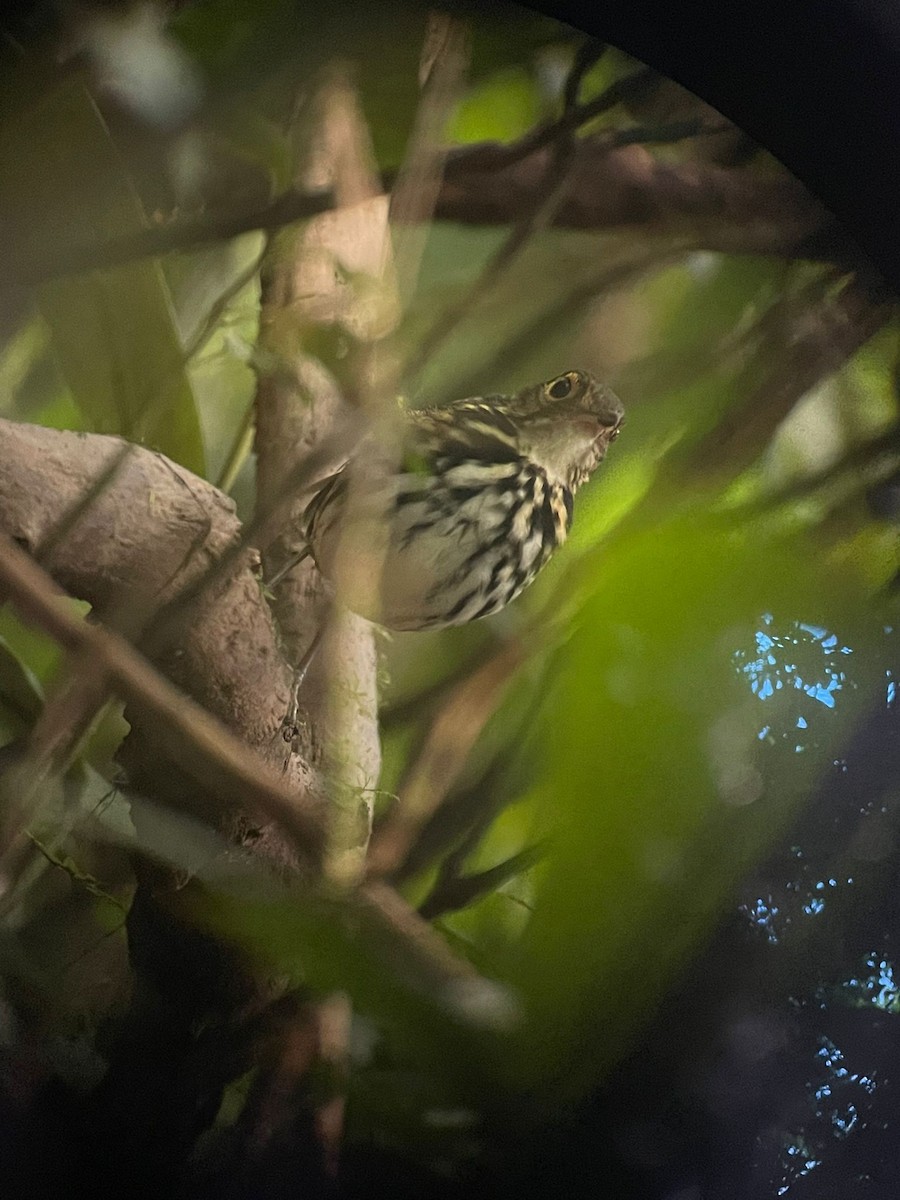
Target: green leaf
20	692
710	683
21	697
112	331
500	109
38	653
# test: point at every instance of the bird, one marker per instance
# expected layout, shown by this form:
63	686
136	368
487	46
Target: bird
479	498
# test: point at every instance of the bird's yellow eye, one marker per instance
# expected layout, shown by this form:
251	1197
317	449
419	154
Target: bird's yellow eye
560	388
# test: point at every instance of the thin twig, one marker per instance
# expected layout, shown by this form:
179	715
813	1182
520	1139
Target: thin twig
467	811
416	187
450	739
815	333
491	155
587	55
79	877
200	744
429	955
393	714
861	456
163	239
507	357
208	326
548	195
544	201
239	450
454	891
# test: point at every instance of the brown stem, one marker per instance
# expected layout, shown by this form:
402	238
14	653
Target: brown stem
196	741
442	757
814	335
739	210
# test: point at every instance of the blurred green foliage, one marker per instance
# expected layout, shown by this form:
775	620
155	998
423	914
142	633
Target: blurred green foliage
632	746
111	332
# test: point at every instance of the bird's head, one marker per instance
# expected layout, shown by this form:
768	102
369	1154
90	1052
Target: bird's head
566	424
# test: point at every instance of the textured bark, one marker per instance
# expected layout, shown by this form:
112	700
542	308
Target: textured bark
145	538
307	284
736	210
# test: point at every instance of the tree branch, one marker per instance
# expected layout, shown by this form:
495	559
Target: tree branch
171	236
450	739
816	334
152	500
197	742
151	534
737	210
615	182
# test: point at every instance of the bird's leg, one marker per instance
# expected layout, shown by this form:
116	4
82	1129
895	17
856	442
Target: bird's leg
300	671
287	567
289	725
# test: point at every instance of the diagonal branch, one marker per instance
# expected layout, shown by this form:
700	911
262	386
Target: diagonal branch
492	155
444	754
620	186
613	184
207	751
150	536
197	742
815	335
164	239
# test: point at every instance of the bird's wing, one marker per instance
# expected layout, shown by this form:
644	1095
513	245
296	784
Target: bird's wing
327	498
468	429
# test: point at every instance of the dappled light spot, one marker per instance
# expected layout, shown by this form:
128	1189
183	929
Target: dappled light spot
483	1002
799	1161
875	987
738	779
762	913
839	1105
771	915
806	659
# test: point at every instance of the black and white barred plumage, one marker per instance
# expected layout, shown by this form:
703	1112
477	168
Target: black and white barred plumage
481	500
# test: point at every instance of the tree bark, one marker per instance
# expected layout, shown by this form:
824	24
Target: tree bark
147	537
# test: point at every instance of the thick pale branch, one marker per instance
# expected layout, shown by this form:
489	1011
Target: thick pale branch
151	534
298	407
728	209
816	336
42	473
735	210
196	742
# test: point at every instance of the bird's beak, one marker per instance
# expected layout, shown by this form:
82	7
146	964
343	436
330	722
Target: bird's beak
602	431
